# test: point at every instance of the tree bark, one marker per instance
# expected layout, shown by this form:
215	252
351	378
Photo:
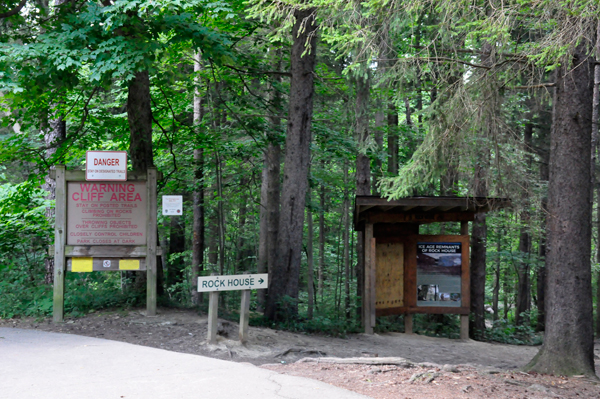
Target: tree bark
523	265
176	246
569	339
392	139
270	187
497	276
478	253
139	116
346	238
321	271
198	194
56	133
310	260
286	269
379	127
363	163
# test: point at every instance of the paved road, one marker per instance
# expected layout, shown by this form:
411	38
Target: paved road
36	364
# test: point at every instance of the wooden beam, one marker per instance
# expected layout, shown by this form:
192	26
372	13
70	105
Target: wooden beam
368	236
419	217
60	239
151	239
428	208
79	175
373	282
423	310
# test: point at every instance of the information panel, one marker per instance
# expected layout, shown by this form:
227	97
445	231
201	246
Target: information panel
439	269
106	213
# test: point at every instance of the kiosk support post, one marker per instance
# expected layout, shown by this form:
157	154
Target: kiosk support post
464	319
60	234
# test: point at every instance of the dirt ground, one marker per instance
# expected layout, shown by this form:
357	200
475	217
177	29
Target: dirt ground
381	366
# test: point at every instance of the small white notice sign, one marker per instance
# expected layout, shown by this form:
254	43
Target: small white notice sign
172	205
233	283
106	165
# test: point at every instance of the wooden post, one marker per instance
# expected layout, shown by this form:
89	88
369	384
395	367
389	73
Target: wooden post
213	312
408	323
244	315
368	304
151	243
464	228
464	319
464	326
60	239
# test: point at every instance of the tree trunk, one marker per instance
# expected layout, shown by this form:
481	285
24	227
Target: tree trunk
310	260
478	254
363	163
346	239
568	347
56	133
496	291
198	194
321	271
595	150
139	115
213	232
523	266
270	190
286	269
176	246
379	126
392	139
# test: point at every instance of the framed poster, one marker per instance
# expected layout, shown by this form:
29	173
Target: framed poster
439	274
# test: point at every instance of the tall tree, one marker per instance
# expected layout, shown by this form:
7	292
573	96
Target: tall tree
198	190
286	269
569	339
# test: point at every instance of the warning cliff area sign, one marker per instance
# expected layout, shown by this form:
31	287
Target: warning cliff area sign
106	165
106	213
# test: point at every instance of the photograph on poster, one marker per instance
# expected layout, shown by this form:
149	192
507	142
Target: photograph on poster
439	269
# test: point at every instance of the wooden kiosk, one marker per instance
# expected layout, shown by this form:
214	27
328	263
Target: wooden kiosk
408	273
104	226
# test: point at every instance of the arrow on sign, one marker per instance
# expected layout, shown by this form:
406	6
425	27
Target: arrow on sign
260	281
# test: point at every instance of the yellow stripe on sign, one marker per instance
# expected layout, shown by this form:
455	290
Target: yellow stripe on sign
129	264
82	265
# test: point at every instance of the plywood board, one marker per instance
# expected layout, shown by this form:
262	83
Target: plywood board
390	275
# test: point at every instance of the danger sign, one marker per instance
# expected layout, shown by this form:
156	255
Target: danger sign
106	165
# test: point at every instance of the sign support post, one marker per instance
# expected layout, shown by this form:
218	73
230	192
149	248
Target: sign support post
60	234
213	311
241	282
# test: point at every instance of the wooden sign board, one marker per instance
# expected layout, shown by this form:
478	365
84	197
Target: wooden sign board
106	213
389	285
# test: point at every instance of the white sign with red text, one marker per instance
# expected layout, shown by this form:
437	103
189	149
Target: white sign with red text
106	213
106	165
